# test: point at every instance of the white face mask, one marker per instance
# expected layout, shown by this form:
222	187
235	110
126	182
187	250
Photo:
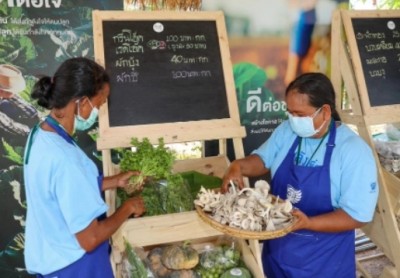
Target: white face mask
84	124
304	126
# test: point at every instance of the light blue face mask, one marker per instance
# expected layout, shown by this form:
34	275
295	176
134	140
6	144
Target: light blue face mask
304	126
84	124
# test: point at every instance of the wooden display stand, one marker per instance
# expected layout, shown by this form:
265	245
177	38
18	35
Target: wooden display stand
171	77
365	61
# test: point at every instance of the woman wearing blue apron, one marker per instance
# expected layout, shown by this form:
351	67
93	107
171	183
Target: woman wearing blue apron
66	232
328	173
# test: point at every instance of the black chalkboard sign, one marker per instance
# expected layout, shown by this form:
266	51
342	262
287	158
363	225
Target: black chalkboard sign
171	77
378	42
163	71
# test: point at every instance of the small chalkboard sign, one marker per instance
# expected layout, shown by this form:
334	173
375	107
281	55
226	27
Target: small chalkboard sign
165	68
378	41
373	45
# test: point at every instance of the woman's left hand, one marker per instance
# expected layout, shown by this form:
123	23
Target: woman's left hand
302	220
122	179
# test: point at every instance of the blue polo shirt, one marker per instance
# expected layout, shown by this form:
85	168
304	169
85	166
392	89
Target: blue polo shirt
63	198
353	170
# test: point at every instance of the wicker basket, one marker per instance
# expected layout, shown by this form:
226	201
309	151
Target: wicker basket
244	234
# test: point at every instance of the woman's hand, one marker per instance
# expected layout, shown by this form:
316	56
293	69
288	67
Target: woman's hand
232	175
302	220
137	205
120	180
332	222
250	166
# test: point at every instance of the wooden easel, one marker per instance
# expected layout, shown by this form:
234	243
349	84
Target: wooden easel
158	230
348	70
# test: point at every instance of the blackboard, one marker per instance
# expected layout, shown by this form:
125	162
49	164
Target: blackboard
163	71
378	42
171	77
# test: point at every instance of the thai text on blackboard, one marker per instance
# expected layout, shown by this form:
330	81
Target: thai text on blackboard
378	41
164	72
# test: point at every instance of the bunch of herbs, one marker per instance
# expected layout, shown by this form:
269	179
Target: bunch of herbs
152	161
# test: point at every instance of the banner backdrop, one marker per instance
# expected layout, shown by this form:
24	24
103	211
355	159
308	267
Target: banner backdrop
35	37
271	42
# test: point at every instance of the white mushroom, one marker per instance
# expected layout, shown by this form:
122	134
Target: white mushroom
249	209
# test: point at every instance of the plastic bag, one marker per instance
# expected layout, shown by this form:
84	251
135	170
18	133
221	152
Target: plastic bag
216	259
132	265
387	146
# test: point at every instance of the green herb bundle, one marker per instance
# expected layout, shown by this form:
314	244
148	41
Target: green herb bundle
152	161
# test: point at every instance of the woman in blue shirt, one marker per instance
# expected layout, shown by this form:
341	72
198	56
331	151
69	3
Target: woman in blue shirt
65	236
328	173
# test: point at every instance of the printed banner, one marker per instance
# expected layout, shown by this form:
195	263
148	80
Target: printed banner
35	37
272	42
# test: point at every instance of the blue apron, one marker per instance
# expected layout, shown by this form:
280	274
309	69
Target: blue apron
306	253
95	264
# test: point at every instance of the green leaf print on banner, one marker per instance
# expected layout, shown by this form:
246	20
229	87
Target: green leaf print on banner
255	100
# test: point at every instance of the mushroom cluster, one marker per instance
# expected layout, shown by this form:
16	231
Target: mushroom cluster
252	209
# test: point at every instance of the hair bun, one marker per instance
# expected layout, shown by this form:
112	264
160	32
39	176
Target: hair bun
42	91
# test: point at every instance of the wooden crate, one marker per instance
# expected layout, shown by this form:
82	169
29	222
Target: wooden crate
177	227
161	230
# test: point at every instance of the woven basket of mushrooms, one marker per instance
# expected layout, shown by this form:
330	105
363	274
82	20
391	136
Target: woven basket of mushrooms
251	213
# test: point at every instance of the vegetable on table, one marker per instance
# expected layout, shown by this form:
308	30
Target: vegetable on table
179	257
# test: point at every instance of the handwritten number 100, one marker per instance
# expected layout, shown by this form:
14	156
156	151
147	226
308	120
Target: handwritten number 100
172	38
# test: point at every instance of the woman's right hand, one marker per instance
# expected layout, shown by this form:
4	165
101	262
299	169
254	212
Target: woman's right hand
233	174
137	206
250	166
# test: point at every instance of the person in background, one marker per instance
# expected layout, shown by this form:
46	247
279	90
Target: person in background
328	173
301	36
64	237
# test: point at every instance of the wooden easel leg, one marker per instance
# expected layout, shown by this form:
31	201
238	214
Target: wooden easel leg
360	268
389	272
256	250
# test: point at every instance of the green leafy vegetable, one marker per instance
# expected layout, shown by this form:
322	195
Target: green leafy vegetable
179	198
151	161
170	195
136	266
167	196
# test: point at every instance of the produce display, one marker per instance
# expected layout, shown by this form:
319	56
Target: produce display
184	261
252	209
214	261
162	190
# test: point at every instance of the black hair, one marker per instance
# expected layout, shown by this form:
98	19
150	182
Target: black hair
318	88
75	78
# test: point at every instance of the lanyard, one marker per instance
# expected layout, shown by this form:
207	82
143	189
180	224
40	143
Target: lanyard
28	150
57	128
